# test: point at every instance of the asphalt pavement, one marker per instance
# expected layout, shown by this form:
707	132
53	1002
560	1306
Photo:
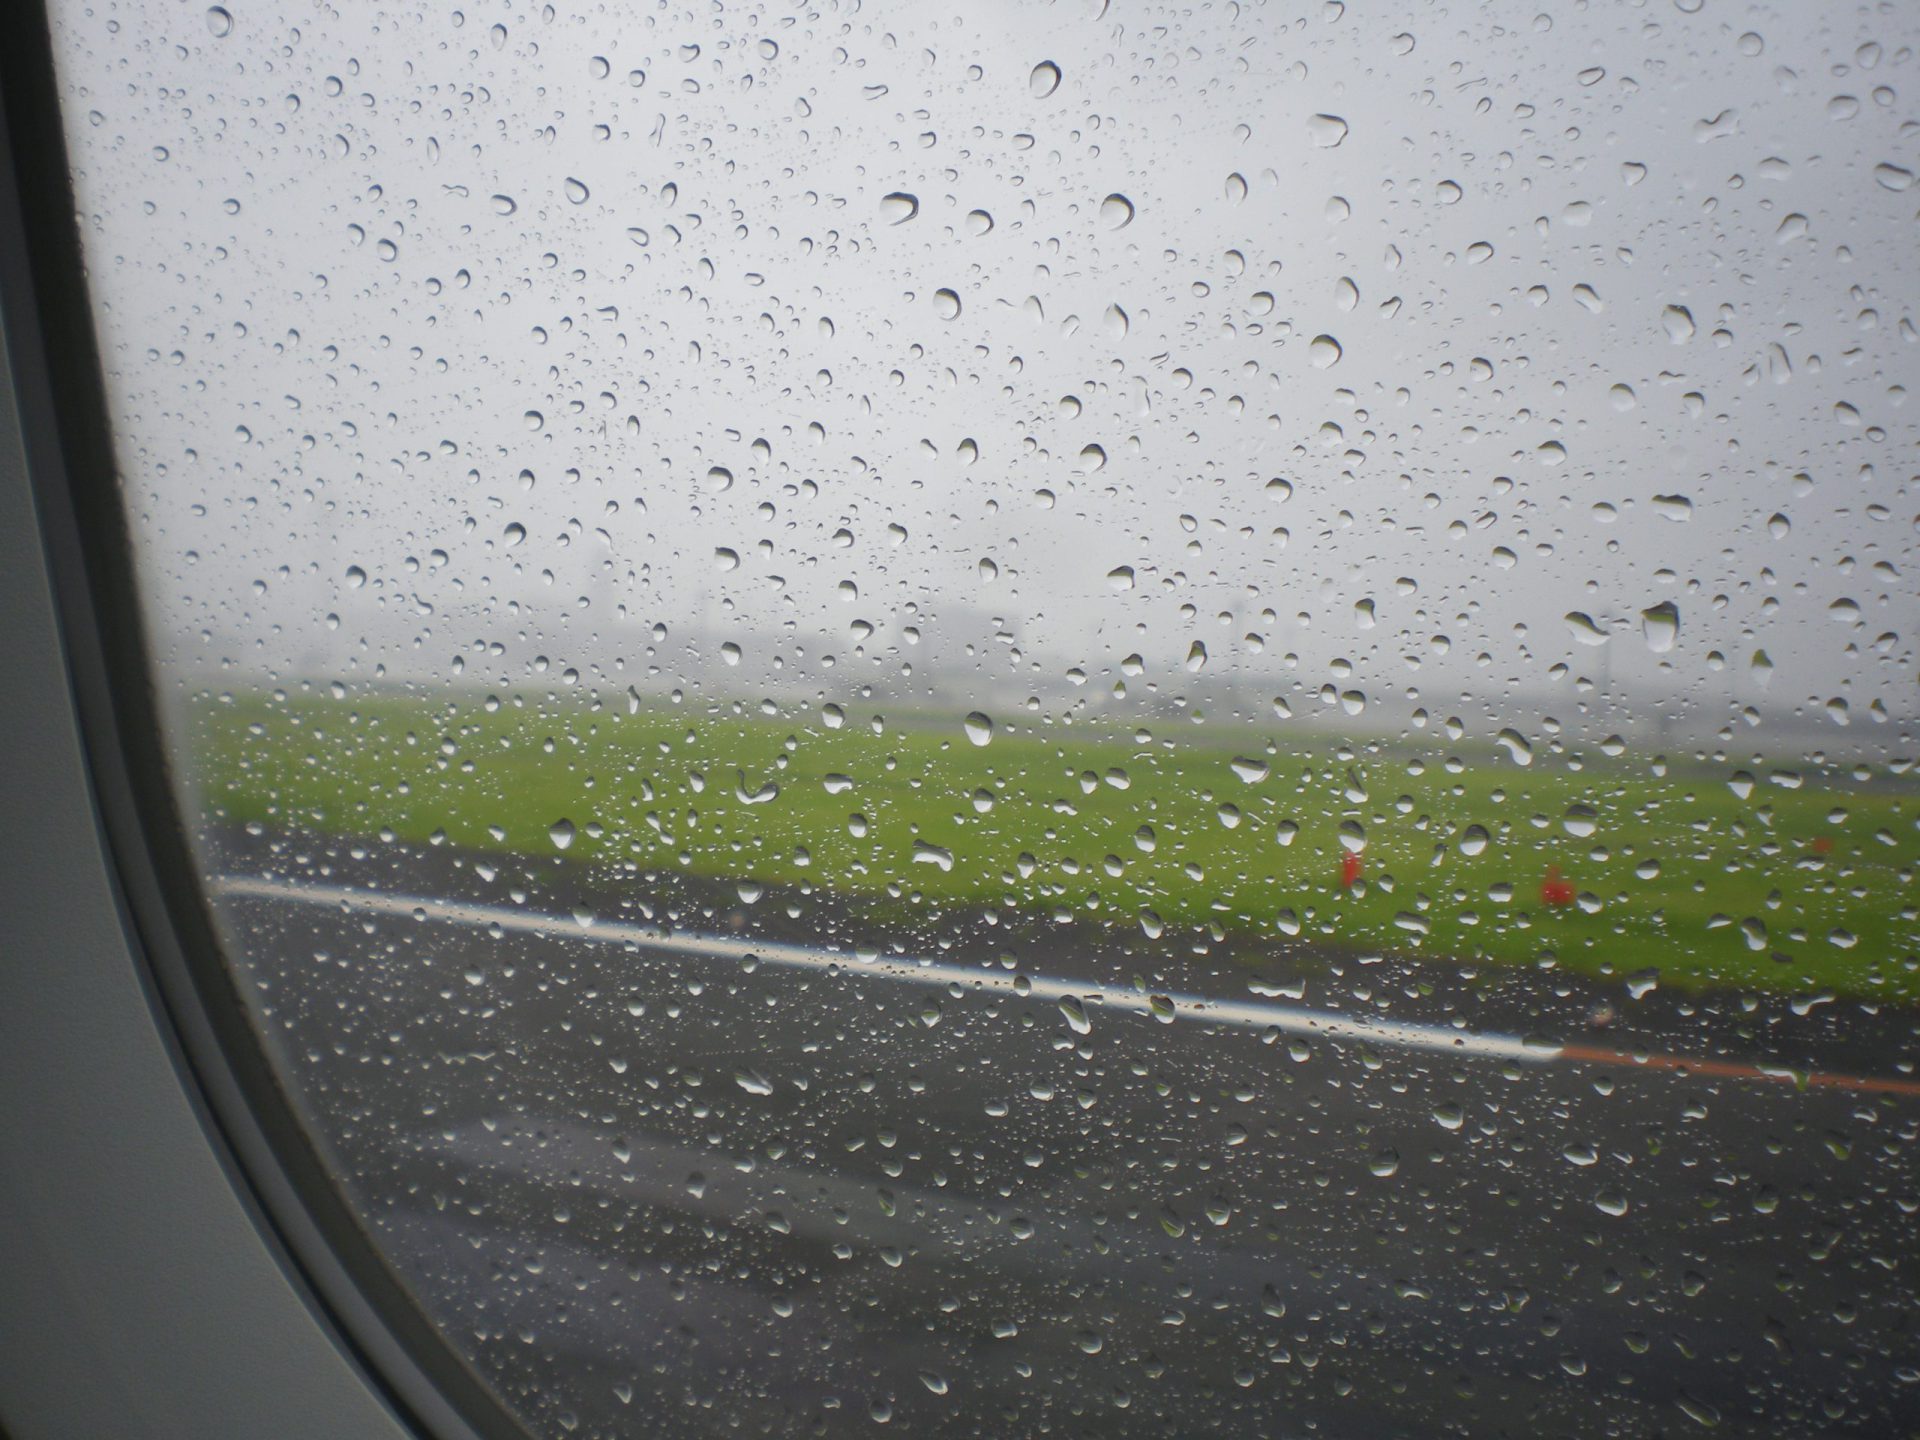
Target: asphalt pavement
666	1163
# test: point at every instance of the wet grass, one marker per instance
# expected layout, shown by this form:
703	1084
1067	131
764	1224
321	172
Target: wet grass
1799	881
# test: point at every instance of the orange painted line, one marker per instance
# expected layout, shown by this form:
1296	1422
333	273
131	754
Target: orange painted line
1735	1070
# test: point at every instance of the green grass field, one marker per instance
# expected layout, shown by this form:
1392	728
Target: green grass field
1801	886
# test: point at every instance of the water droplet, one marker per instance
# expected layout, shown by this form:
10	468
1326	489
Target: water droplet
946	304
1384	1163
1120	577
1518	748
1580	820
1092	458
726	559
1161	1008
1584	629
1076	1013
1660	624
356	577
219	21
577	191
504	205
1324	351
1674	507
899	207
1327	130
1678	321
561	833
753	1082
1473	840
1044	80
927	853
979	728
1116	212
1197	656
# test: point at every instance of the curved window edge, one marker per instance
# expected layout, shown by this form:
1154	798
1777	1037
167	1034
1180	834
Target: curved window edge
300	1210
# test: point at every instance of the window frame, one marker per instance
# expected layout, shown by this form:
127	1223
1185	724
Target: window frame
302	1214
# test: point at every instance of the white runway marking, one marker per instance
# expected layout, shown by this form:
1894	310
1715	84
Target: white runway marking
1261	1015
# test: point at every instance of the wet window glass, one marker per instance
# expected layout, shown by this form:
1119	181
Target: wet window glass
1100	718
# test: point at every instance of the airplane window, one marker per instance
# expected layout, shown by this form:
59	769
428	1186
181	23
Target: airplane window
1106	718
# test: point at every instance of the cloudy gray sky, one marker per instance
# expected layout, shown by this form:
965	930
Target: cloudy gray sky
477	343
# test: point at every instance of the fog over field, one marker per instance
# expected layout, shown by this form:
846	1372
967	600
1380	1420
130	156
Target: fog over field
487	347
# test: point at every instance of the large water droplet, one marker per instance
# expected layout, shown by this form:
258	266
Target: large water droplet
1327	130
1517	746
1044	80
1116	212
1584	629
1660	624
1678	508
561	833
927	853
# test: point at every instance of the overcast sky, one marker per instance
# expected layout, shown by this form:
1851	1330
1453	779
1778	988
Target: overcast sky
428	329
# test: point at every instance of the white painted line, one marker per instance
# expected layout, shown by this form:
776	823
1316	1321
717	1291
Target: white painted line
1246	1014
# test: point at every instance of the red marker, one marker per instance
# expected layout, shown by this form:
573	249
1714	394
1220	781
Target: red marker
1554	890
1349	868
